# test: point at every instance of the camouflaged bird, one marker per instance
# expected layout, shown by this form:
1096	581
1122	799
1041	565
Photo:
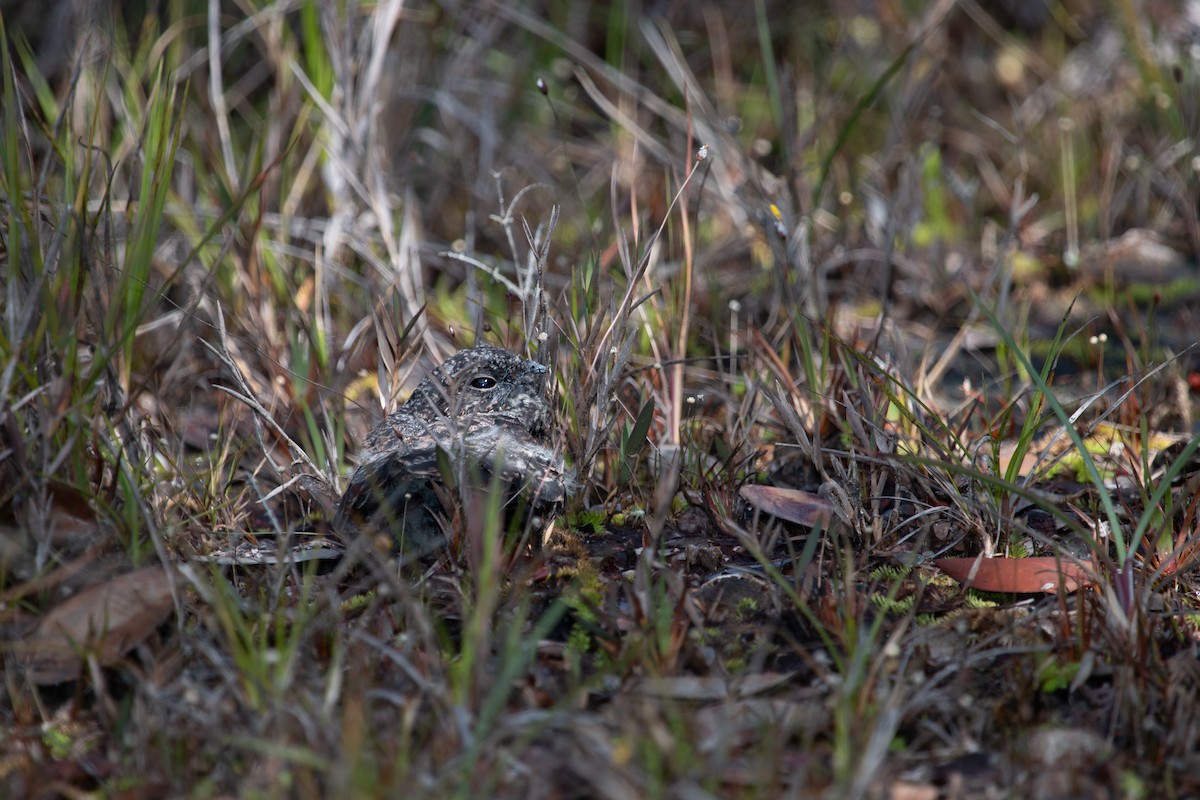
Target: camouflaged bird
485	407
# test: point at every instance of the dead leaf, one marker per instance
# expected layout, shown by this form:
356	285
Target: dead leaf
205	423
69	519
793	505
695	687
907	790
1017	575
1057	748
1138	256
106	620
737	723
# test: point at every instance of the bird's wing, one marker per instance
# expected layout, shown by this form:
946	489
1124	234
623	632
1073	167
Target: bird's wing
505	448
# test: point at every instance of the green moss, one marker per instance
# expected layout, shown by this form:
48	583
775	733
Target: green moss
631	516
893	606
746	608
357	602
58	742
587	520
579	641
978	599
887	573
1055	676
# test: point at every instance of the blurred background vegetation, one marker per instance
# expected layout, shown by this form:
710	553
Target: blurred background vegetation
674	203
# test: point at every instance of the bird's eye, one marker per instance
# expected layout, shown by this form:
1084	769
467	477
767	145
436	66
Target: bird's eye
483	382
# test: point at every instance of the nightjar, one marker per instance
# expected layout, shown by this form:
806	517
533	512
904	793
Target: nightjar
485	408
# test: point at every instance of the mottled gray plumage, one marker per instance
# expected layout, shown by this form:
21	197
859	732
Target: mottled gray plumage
485	407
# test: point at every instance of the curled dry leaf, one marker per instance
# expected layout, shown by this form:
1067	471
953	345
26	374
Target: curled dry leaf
106	619
793	505
1017	575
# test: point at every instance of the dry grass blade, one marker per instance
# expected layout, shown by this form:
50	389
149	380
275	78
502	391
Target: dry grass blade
262	415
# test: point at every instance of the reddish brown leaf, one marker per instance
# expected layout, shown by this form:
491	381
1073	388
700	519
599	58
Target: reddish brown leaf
1019	575
904	790
106	619
793	505
205	423
69	500
70	518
